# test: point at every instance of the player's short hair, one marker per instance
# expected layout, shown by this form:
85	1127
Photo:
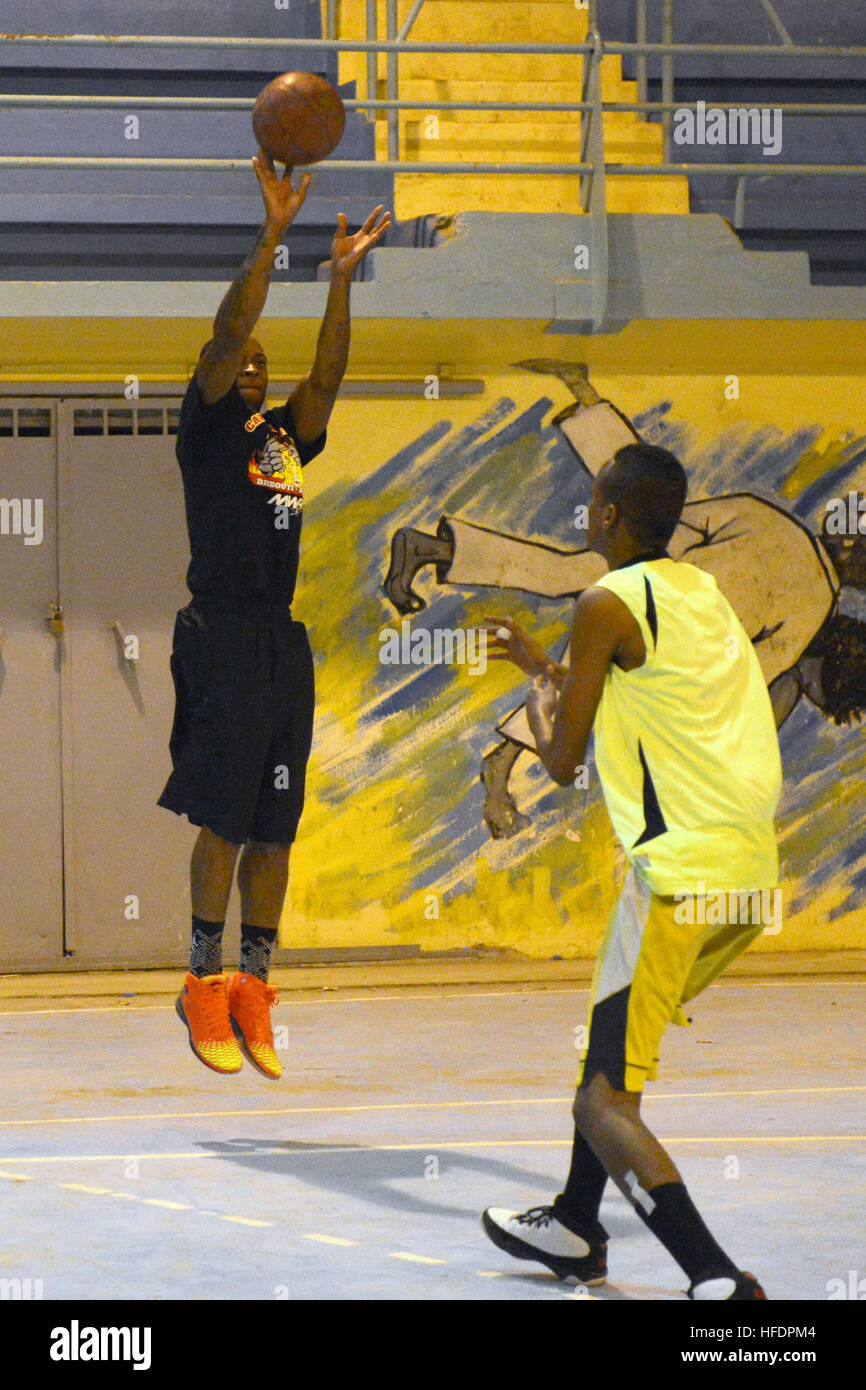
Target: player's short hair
648	486
841	645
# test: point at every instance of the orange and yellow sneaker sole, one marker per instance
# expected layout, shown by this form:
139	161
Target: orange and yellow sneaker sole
220	1054
258	1050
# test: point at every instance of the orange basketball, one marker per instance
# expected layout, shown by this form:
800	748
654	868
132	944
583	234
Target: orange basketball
298	118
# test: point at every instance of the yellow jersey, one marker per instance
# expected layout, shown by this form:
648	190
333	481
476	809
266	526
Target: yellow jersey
686	744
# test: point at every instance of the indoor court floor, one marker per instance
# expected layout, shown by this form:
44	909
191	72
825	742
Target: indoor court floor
129	1171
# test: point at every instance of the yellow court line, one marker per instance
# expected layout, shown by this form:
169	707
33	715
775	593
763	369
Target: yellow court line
129	1196
433	1144
469	993
329	1240
245	1221
160	1202
82	1187
403	1105
415	1259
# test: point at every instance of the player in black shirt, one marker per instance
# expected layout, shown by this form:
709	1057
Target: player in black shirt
242	668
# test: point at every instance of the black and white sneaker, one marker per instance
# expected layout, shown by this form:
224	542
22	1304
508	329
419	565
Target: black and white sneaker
537	1235
742	1289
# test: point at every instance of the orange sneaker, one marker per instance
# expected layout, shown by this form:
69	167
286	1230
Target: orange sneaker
203	1006
250	1001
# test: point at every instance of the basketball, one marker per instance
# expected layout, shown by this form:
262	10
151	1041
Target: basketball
298	118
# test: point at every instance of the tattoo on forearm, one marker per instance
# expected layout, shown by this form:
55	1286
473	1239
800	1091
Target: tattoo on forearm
245	297
332	348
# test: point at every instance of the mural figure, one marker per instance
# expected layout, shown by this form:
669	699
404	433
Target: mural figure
782	581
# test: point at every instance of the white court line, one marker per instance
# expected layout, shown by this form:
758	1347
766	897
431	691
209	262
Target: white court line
370	998
404	1105
532	987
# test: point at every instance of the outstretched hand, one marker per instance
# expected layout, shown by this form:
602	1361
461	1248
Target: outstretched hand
347	251
282	201
516	646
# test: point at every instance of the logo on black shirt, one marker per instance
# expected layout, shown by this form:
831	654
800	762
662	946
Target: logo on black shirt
277	466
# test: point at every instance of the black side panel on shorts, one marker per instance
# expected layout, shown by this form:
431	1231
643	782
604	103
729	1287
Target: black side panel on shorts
606	1050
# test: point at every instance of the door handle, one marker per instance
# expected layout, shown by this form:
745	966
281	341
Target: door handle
54	619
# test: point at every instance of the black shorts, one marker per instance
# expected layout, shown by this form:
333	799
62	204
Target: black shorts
243	721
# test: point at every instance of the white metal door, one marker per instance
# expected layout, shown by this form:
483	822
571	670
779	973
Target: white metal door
124	552
31	672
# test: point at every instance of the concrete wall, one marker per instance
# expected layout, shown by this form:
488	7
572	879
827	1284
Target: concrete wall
393	848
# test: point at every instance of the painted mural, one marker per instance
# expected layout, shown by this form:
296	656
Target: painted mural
429	821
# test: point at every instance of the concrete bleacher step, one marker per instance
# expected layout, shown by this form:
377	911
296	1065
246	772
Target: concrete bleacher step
470	21
823	209
537	67
506	137
147	253
439	89
626	141
220	18
418	195
163	134
515	86
106	199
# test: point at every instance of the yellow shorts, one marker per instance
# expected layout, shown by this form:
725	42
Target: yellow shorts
649	965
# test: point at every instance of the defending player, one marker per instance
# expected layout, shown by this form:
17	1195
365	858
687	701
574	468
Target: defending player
688	758
242	667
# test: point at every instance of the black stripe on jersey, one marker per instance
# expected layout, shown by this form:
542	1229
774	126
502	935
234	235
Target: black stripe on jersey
654	821
651	615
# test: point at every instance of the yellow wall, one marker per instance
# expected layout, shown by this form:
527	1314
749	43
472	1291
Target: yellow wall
394	808
394	803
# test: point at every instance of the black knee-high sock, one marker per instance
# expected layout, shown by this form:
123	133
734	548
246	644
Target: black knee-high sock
206	952
578	1205
672	1216
257	944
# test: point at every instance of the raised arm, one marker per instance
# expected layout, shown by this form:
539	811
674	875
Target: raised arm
603	628
238	314
313	398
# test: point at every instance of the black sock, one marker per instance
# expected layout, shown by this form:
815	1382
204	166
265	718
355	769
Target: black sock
675	1220
256	946
578	1205
206	953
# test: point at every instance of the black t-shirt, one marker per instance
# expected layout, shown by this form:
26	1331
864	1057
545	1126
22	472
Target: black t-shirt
244	493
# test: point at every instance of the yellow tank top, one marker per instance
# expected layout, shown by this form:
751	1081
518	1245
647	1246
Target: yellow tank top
686	744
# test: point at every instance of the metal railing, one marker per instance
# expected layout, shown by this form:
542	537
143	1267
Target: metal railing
594	48
591	168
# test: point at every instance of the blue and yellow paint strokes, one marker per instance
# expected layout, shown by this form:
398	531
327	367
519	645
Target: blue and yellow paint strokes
393	849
